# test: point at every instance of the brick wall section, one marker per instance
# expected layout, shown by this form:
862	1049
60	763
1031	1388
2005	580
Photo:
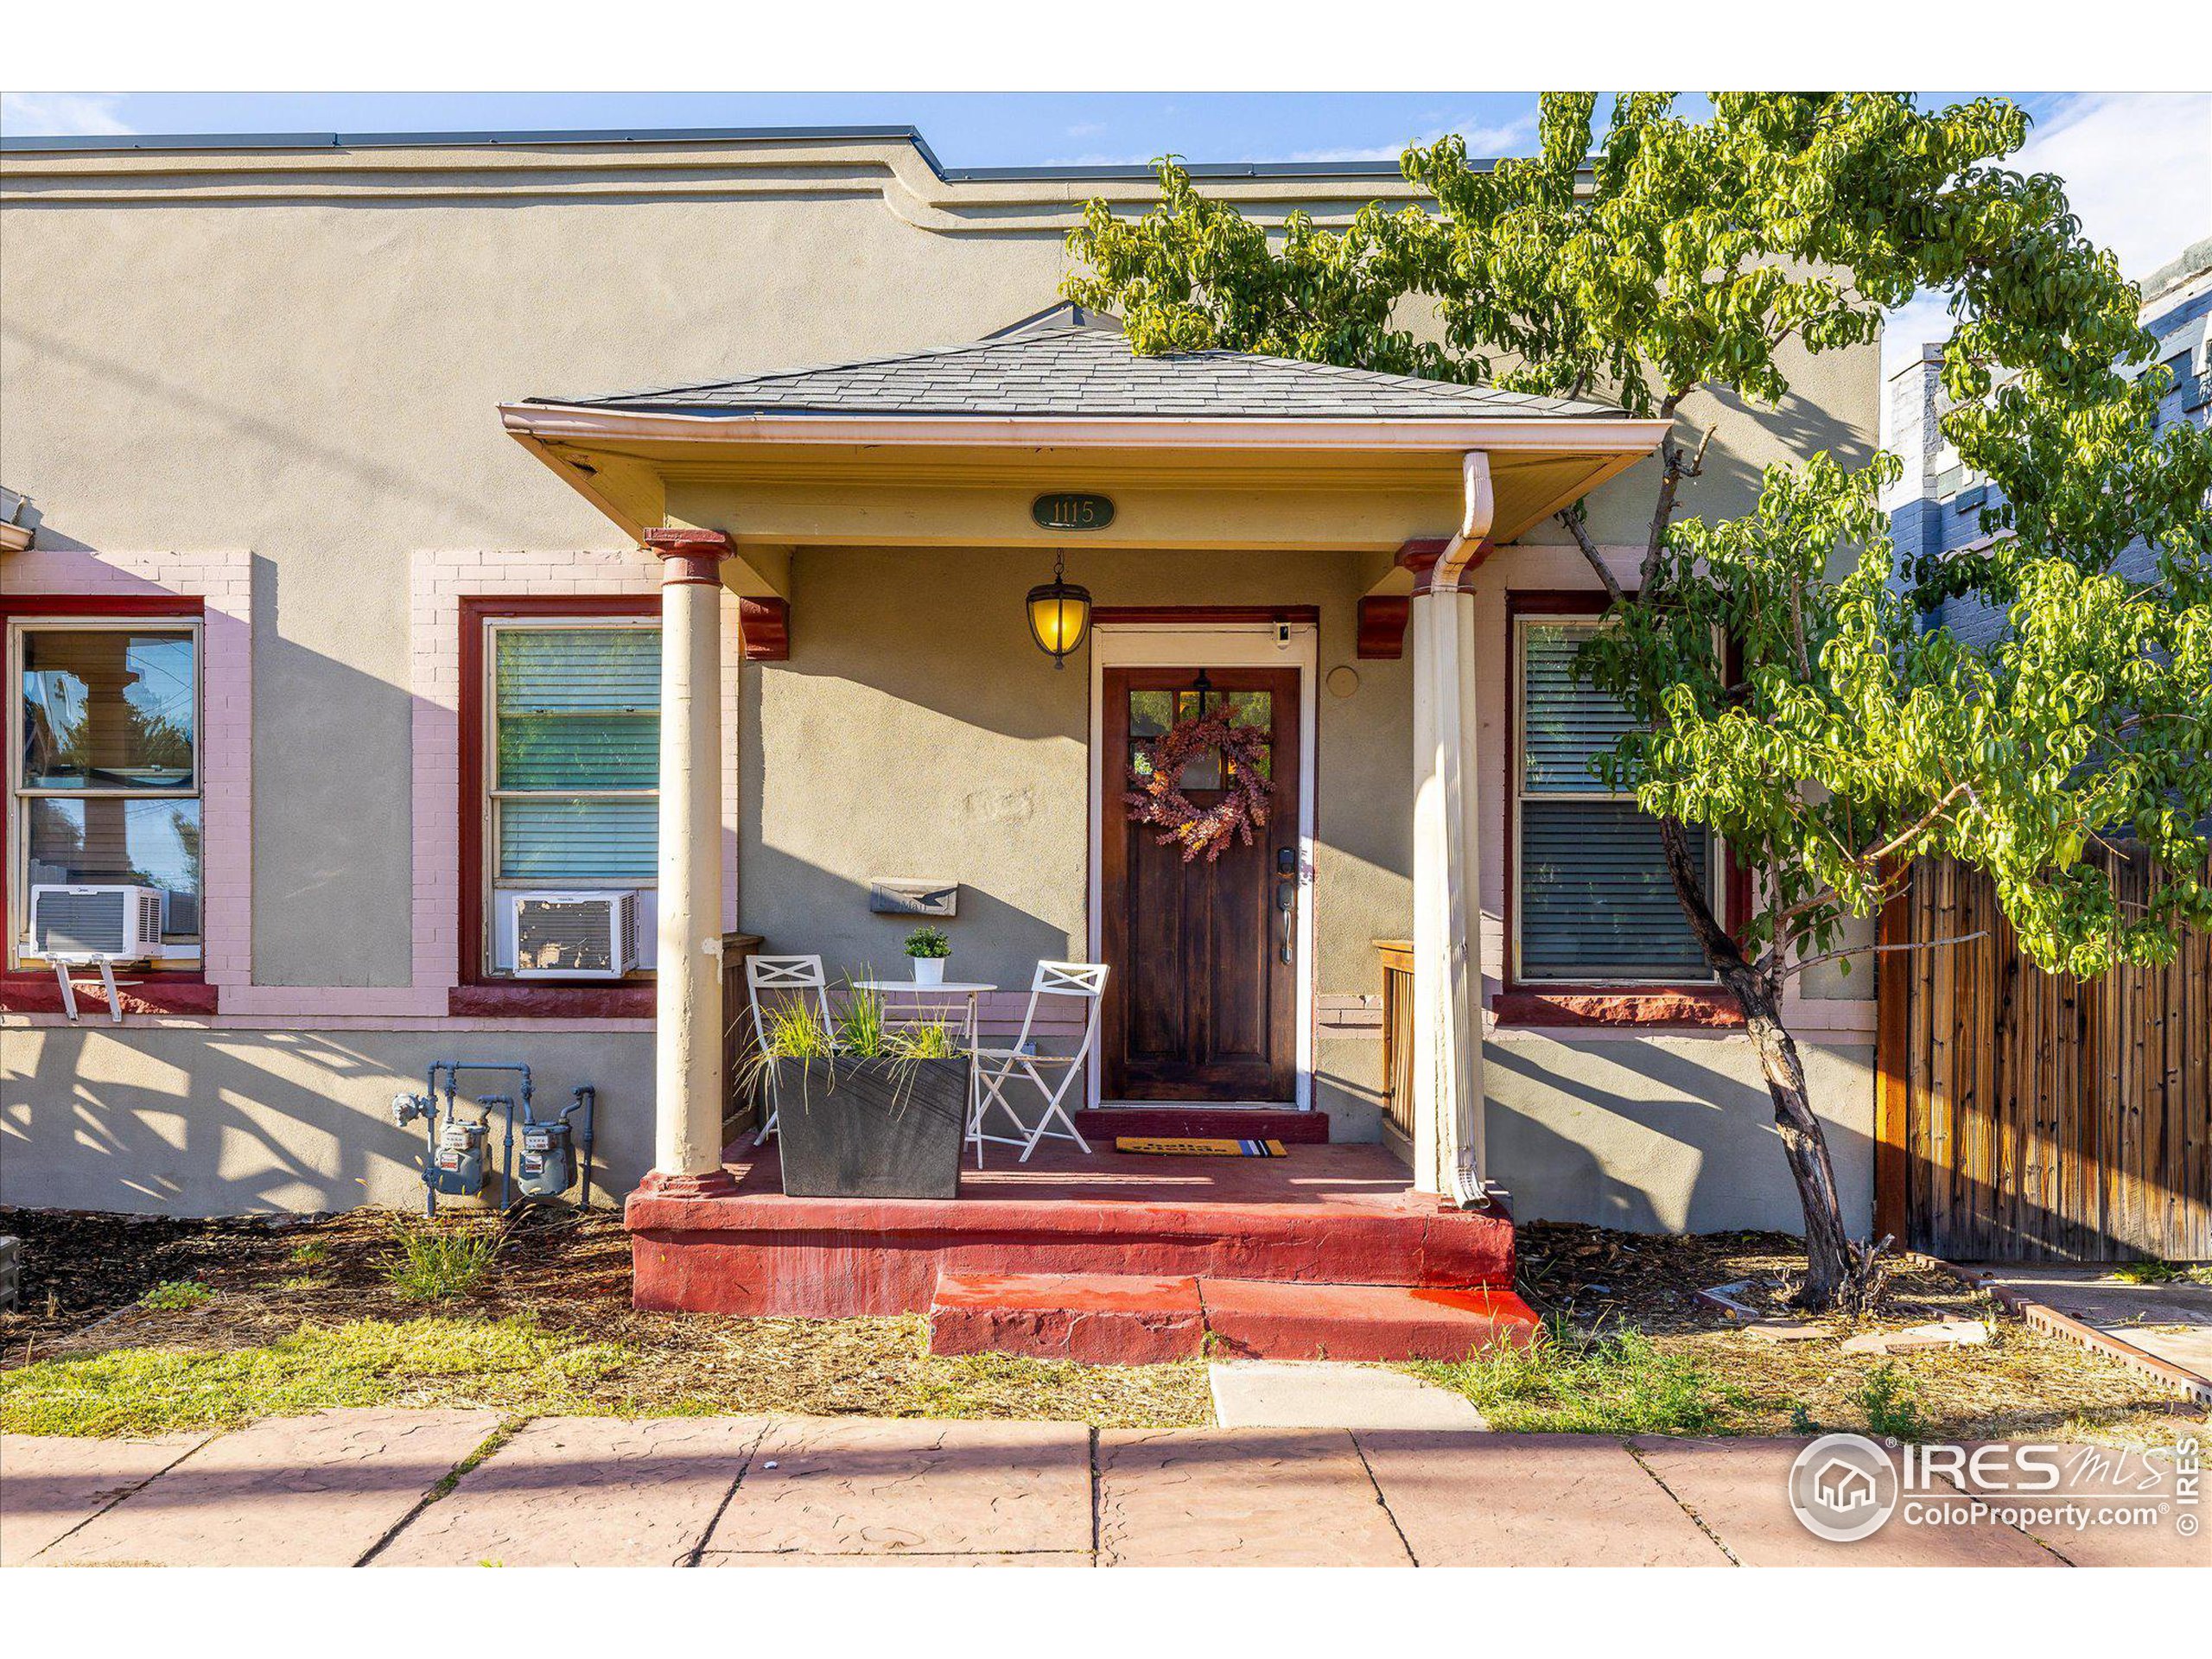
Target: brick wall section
222	579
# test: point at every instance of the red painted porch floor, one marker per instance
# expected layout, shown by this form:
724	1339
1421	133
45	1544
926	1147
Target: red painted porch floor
1325	1252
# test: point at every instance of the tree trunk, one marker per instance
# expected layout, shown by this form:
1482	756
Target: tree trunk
1831	1274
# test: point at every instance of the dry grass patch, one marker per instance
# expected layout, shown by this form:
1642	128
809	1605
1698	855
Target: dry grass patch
545	1326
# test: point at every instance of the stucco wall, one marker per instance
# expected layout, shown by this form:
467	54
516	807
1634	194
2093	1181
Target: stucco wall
300	357
193	1123
1666	1133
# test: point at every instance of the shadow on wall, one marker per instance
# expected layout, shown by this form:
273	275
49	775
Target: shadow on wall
1667	1134
332	844
193	1123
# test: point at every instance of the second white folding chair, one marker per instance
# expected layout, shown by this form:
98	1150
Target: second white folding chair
1018	1068
788	980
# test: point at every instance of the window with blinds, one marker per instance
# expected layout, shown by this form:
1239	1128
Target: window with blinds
574	750
1593	902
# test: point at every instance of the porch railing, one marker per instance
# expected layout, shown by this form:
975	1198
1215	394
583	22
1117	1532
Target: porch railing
1397	957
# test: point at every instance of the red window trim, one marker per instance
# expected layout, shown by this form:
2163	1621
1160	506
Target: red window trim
1697	1003
481	992
32	990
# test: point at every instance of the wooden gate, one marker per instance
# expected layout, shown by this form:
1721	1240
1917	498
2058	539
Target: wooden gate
2034	1117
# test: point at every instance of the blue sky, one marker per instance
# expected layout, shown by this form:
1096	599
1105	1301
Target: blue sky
965	129
2138	166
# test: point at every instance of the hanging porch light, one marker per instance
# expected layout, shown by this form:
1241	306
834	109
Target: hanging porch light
1059	614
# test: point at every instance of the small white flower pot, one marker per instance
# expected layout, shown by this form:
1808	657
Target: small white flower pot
928	970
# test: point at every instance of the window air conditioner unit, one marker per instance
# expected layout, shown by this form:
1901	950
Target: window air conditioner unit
106	924
563	935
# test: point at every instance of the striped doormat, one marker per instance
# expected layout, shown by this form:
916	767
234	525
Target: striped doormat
1176	1146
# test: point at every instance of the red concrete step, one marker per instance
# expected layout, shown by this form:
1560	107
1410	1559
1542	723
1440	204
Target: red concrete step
1250	1318
1329	1214
1100	1124
1100	1319
1108	1318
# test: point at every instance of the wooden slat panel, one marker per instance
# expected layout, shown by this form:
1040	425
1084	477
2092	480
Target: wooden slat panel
2045	1117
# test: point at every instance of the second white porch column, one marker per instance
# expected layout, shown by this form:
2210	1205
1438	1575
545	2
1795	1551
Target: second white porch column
1449	1157
689	1087
1448	966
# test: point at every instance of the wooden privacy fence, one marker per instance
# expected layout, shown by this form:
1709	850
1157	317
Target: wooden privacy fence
2031	1116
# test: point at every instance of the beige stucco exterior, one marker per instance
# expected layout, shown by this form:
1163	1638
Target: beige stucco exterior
303	355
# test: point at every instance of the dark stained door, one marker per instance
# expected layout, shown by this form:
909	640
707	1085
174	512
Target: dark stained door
1202	1004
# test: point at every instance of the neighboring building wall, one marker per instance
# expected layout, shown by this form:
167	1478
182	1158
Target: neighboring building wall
325	429
1937	507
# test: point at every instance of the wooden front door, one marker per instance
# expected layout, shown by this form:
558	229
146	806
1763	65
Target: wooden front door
1202	1002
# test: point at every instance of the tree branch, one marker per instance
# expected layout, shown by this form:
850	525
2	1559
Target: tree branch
1675	468
1876	950
1580	532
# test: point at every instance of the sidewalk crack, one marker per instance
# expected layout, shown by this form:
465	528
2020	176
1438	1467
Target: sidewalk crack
1696	1520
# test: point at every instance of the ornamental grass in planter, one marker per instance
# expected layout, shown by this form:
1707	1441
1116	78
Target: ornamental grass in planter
864	1111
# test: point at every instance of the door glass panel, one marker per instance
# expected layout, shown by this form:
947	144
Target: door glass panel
1151	713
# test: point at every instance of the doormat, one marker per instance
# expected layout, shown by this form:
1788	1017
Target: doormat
1179	1146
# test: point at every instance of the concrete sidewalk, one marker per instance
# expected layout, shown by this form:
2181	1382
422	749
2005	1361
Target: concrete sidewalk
364	1487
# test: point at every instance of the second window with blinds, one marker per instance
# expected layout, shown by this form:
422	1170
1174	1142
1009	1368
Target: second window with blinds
1592	901
573	765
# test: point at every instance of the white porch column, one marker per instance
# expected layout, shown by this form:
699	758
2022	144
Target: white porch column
1448	1036
689	1087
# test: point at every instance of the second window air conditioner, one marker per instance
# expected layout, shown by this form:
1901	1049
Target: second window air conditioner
572	935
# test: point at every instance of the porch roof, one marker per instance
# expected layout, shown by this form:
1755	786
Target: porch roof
949	446
1066	362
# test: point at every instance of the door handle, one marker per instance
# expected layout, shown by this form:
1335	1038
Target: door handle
1287	902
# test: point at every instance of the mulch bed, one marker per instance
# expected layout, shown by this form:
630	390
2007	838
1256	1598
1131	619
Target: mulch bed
2023	1384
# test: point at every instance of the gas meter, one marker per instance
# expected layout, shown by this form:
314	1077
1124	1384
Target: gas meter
457	1165
547	1164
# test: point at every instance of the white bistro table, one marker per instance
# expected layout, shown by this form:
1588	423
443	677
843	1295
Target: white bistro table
954	1002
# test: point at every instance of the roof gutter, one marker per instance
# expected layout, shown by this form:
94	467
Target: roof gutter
1549	435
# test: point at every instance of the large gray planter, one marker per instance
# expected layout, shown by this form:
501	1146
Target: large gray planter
871	1128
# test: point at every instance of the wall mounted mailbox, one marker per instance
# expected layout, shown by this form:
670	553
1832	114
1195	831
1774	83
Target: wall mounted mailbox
889	895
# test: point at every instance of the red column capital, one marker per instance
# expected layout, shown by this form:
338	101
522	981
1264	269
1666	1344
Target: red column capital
687	555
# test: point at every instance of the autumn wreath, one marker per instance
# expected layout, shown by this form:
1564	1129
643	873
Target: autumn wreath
1156	797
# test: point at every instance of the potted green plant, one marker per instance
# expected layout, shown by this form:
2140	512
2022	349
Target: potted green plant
928	948
863	1110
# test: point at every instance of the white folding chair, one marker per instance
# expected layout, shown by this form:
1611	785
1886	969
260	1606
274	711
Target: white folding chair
998	1068
794	979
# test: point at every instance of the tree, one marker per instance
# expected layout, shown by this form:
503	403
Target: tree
1785	695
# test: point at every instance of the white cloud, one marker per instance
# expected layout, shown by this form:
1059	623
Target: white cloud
1503	139
61	115
2138	168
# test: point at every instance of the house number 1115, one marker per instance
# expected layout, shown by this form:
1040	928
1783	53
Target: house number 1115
1067	510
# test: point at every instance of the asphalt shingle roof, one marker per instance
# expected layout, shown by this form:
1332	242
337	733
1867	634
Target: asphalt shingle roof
1052	367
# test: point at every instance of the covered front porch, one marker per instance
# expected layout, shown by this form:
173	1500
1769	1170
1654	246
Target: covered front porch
1295	538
